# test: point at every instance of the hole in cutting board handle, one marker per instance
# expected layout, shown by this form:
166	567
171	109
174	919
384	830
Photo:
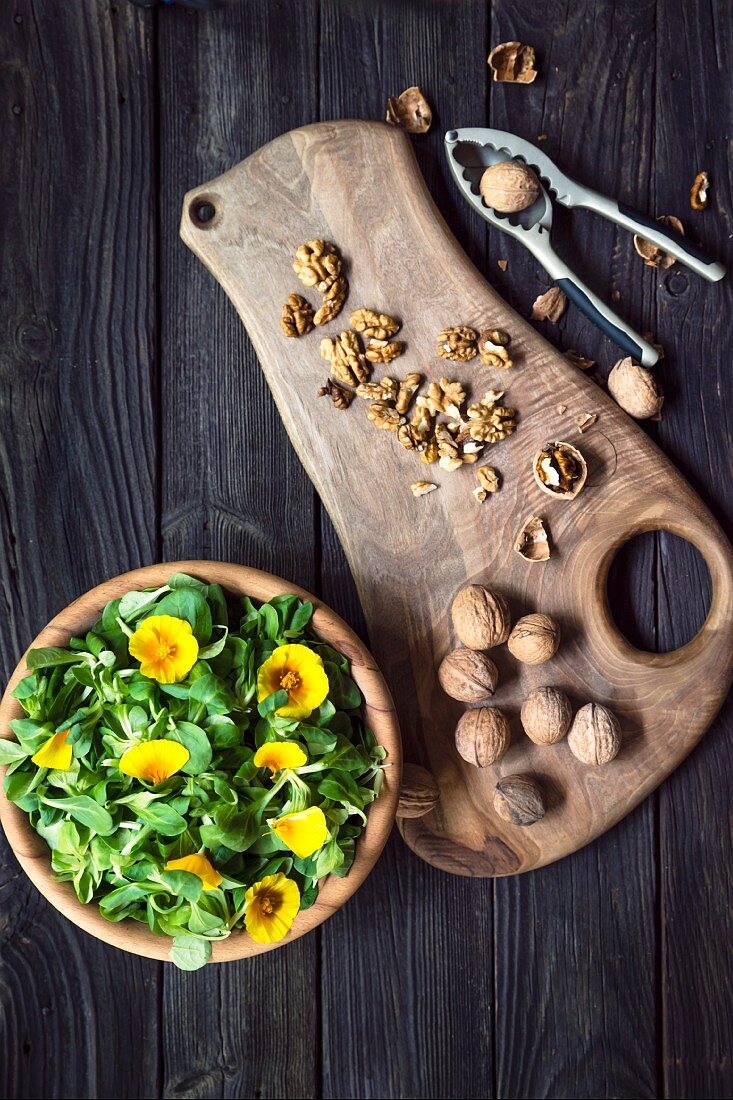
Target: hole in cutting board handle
203	211
659	591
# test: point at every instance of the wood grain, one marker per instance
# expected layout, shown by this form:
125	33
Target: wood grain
357	184
77	468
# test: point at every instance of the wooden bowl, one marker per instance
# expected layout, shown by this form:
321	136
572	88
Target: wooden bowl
33	853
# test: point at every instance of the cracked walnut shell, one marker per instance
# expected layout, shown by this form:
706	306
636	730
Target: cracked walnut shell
468	675
513	62
534	639
652	254
373	325
532	542
550	306
595	735
482	736
560	470
410	110
480	617
700	191
546	715
296	318
318	264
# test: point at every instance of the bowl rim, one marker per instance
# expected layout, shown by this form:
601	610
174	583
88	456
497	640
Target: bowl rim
31	850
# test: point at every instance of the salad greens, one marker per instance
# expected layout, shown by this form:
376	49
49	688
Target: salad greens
114	834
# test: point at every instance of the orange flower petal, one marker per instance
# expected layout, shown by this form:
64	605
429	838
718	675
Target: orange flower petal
55	753
271	906
154	761
299	671
165	647
199	865
277	755
303	832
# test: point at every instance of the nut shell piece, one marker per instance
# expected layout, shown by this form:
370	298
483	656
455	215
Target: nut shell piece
534	639
595	735
519	799
636	390
509	186
419	793
482	736
546	715
468	675
480	617
560	470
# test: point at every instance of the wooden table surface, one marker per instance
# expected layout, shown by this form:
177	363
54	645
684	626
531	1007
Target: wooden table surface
135	425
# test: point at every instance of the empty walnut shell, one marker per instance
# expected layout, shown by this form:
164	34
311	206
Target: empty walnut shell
480	617
546	715
482	736
509	186
534	639
410	110
636	390
519	799
468	675
560	470
595	735
419	793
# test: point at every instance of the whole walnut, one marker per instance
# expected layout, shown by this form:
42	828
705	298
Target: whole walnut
519	799
595	735
480	617
534	639
482	736
509	186
419	793
546	715
636	390
468	675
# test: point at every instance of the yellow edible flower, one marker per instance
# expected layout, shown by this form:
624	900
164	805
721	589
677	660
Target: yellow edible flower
165	647
197	865
277	755
299	671
54	753
270	907
154	761
303	832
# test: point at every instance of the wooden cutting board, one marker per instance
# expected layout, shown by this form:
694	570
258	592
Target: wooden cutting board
357	184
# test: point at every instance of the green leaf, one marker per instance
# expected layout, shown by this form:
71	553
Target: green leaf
10	751
328	859
215	648
86	811
190	952
271	702
183	883
133	604
342	691
300	619
213	693
188	604
52	656
196	741
161	817
270	619
238	828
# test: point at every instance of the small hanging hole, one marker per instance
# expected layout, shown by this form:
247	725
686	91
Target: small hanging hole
202	212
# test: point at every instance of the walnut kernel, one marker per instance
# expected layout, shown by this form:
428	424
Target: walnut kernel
373	325
700	191
318	264
297	316
333	301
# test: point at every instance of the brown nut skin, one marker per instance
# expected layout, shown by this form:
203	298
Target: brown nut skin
509	187
546	715
595	735
534	639
482	736
480	617
636	390
468	675
419	793
519	799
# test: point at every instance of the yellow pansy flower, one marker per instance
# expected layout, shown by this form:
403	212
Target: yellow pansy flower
54	753
270	907
303	832
277	755
299	671
199	865
165	647
154	761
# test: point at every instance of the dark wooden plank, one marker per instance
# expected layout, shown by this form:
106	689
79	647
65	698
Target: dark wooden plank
575	942
694	105
77	467
233	488
407	964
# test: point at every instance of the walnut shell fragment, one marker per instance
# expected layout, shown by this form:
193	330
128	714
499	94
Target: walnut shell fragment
509	186
533	543
513	63
519	799
550	306
482	736
651	254
468	675
419	793
636	390
700	191
595	735
410	110
560	470
579	360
